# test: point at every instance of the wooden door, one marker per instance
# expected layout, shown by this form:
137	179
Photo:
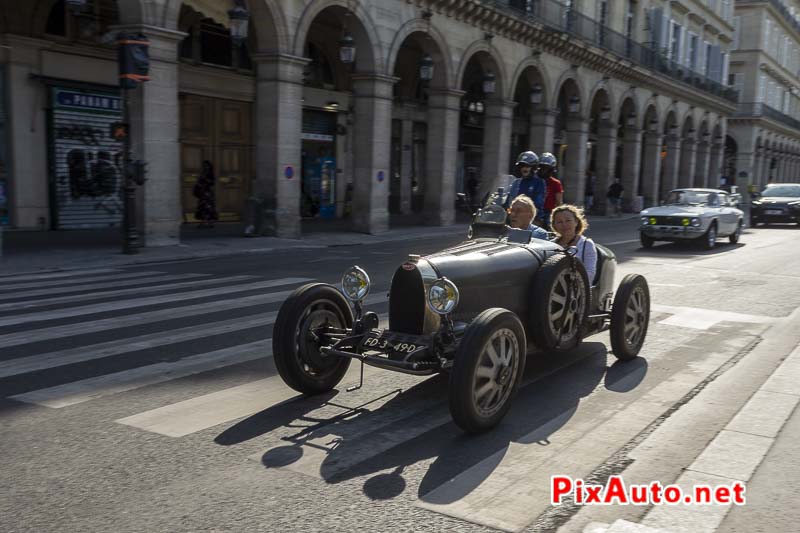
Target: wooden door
219	131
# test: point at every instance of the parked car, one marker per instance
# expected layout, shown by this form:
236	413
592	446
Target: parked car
475	311
699	215
779	202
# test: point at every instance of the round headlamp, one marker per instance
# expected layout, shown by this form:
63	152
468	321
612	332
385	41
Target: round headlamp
355	284
443	296
685	221
695	222
645	221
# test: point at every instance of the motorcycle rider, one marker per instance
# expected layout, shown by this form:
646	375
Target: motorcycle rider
528	183
554	190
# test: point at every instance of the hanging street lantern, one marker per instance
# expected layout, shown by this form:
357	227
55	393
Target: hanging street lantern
426	68
76	7
631	122
347	49
536	94
489	83
239	18
605	112
574	104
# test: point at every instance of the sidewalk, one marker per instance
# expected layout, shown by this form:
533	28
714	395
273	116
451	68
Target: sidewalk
26	251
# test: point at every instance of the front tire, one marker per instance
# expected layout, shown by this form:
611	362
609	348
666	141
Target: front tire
734	237
710	238
630	316
555	324
647	242
487	370
294	348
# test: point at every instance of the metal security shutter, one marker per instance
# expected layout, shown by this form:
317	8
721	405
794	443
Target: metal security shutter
86	163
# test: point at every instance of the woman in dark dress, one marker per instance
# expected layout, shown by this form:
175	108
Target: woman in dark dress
206	211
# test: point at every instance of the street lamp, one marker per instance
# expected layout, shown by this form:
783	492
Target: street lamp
347	48
631	122
574	104
239	18
76	7
605	112
536	94
489	83
653	125
426	68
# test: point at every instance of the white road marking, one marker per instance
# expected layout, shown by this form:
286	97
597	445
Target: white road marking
69	283
144	302
93	388
123	292
141	280
618	242
13	278
696	318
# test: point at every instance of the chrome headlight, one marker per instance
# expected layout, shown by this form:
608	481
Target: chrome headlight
696	222
443	296
355	284
645	221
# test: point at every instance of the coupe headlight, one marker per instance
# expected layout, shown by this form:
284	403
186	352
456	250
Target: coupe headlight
355	284
696	222
443	296
686	221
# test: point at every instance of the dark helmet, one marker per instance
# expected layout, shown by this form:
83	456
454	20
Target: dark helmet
549	160
528	158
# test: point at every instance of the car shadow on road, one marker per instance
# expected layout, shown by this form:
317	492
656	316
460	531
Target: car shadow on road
689	249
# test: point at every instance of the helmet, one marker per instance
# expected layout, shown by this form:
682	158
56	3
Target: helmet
549	160
528	158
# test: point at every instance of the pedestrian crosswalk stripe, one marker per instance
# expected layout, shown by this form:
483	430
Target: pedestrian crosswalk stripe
139	280
11	278
97	387
69	283
143	302
148	317
120	292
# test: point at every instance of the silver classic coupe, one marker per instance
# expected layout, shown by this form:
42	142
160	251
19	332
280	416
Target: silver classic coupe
699	215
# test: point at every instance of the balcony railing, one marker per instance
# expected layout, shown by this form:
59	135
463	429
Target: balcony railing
558	17
760	109
782	9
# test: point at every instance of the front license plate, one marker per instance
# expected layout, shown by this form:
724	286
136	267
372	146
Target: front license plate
391	343
773	212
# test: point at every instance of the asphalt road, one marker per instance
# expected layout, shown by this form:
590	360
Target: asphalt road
146	399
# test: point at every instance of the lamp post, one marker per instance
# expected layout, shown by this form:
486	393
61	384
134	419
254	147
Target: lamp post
239	18
574	104
426	68
489	83
347	49
536	94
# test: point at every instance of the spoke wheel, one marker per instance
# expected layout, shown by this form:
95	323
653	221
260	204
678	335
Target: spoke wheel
487	370
559	304
306	313
630	317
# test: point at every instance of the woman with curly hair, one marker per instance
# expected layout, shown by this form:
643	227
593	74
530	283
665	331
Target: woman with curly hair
569	223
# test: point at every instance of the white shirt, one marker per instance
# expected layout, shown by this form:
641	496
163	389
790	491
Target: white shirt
586	251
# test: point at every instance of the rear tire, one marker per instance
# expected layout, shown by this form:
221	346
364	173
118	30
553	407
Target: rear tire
630	316
296	353
647	242
487	370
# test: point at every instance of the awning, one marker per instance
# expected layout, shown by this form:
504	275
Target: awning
213	9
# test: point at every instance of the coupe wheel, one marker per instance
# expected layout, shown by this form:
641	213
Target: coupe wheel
734	237
709	240
630	316
487	370
295	341
559	303
647	242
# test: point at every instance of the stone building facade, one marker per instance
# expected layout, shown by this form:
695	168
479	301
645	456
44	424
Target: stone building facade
628	89
765	69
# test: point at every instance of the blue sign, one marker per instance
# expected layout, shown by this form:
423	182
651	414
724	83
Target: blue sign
381	176
288	172
93	102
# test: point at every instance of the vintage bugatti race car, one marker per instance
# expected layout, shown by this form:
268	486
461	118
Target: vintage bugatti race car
474	310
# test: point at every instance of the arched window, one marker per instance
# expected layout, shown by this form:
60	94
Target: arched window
318	72
209	42
96	20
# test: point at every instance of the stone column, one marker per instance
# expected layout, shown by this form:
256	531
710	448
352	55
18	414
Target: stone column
496	144
574	175
702	164
745	162
715	165
652	169
278	127
155	130
406	165
688	157
542	130
444	108
757	167
766	170
672	165
605	164
373	131
631	163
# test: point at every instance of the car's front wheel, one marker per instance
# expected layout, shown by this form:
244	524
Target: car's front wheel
487	370
630	316
308	311
734	237
647	242
709	240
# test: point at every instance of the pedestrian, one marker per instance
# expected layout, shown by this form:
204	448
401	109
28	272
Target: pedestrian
554	190
614	196
588	191
203	190
528	183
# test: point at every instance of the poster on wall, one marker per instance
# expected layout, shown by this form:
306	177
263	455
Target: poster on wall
4	166
86	162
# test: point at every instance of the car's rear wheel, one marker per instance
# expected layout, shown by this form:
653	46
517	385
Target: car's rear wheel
630	316
559	303
647	242
734	237
487	370
295	344
709	240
